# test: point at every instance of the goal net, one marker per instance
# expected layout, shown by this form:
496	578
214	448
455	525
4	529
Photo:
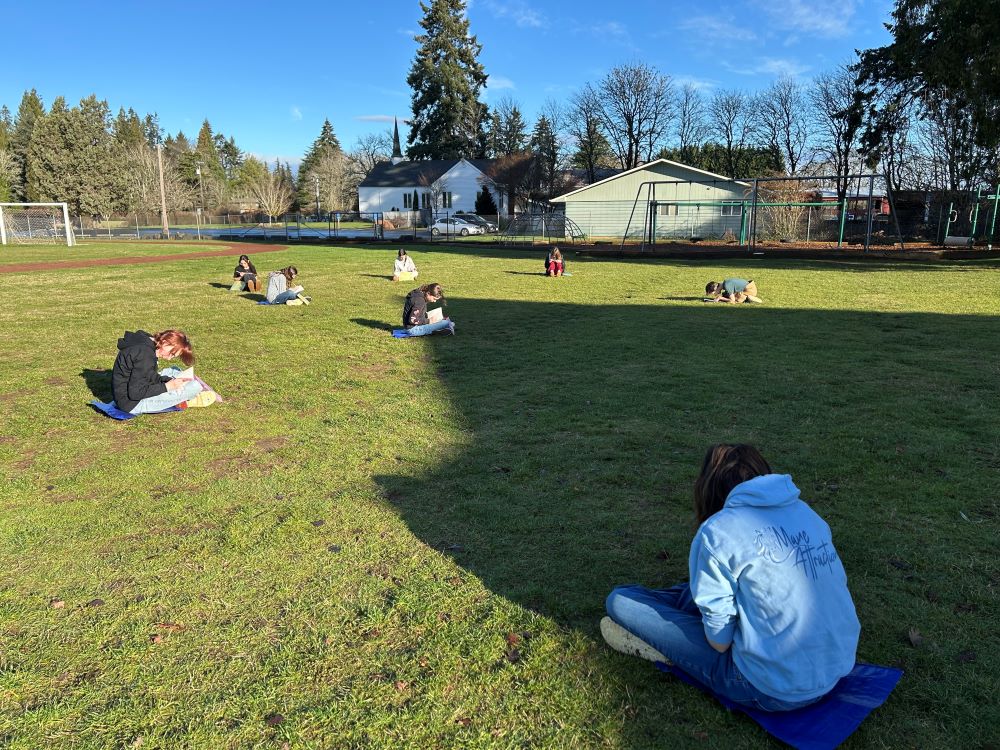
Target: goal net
35	223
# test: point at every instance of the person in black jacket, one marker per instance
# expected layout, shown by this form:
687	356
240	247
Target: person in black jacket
137	386
415	318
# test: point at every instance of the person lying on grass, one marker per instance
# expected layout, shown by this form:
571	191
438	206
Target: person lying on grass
278	291
245	276
732	291
767	620
554	263
137	386
415	316
403	265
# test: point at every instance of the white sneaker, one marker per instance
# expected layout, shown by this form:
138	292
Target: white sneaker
451	327
294	302
624	642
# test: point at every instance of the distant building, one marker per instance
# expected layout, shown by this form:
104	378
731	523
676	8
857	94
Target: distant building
438	185
683	202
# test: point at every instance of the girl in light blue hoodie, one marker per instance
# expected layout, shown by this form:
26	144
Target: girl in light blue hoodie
767	620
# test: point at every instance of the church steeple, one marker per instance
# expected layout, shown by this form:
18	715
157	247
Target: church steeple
397	152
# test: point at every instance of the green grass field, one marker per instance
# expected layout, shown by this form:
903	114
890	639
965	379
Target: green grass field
407	543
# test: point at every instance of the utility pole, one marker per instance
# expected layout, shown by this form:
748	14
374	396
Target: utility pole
163	193
316	181
201	189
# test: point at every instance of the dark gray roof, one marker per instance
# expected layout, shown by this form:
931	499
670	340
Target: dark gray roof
408	173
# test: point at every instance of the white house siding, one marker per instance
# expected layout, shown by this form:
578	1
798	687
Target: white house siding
463	180
604	209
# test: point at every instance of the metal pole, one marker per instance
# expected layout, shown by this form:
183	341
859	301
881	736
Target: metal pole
947	223
316	180
843	219
163	194
137	235
871	196
975	216
809	221
197	221
3	228
993	221
752	239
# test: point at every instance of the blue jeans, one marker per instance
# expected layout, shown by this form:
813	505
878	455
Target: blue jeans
429	328
284	297
170	398
670	621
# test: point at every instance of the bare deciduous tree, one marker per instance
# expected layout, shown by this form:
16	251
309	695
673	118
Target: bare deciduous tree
584	126
141	182
784	122
635	105
692	129
271	190
837	111
731	122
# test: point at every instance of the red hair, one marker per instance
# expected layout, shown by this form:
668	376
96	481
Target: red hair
177	340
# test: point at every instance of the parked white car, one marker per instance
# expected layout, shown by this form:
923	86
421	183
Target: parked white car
453	225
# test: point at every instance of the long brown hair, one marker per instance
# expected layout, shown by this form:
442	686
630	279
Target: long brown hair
724	467
433	289
176	340
289	273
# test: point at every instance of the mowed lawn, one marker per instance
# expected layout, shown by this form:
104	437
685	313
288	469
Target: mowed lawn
407	543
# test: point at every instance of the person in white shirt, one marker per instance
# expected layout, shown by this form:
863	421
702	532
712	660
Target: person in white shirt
403	264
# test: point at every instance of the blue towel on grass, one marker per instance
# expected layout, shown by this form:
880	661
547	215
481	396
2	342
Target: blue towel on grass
263	302
826	723
111	410
401	333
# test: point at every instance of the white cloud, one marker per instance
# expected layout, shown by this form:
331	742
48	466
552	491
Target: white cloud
697	83
296	113
612	32
496	83
519	12
374	118
720	30
410	33
772	66
810	18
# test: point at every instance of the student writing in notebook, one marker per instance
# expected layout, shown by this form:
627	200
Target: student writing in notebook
415	315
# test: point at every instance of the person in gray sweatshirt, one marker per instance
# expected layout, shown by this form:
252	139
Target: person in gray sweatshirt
767	620
278	292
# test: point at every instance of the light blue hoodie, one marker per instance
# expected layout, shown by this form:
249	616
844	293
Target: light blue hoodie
767	579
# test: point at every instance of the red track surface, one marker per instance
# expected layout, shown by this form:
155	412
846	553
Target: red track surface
228	248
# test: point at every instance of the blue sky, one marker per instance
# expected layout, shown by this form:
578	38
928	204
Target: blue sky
269	74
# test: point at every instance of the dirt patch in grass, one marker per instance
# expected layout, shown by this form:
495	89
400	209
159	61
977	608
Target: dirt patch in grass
271	444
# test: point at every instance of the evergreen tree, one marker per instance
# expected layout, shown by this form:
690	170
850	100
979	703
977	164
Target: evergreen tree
6	127
128	129
325	151
151	128
546	151
507	130
229	154
485	205
446	79
72	158
28	113
6	158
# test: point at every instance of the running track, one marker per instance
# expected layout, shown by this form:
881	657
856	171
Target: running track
228	248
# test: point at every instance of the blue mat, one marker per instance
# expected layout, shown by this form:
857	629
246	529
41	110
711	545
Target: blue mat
401	333
263	302
114	412
827	723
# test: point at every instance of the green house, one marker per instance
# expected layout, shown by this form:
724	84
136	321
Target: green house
662	199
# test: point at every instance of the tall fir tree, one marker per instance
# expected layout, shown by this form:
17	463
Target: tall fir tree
6	158
128	129
507	132
446	79
546	152
72	158
323	149
151	128
6	127
29	112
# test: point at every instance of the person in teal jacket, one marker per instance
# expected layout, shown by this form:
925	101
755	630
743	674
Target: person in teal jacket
732	291
767	619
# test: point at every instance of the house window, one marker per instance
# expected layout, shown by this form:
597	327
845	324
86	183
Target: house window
666	209
731	209
446	199
425	200
406	200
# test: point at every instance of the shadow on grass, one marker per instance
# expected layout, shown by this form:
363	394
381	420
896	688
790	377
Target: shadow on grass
583	433
99	383
525	273
219	285
377	276
378	325
252	296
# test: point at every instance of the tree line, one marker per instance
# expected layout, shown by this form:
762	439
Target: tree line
104	165
923	111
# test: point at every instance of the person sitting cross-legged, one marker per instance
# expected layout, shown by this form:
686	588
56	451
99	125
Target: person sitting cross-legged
415	315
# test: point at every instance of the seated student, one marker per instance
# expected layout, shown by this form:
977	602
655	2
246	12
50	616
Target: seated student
137	386
767	620
403	267
415	318
245	276
278	292
732	291
554	263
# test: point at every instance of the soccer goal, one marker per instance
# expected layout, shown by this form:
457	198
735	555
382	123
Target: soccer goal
30	223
